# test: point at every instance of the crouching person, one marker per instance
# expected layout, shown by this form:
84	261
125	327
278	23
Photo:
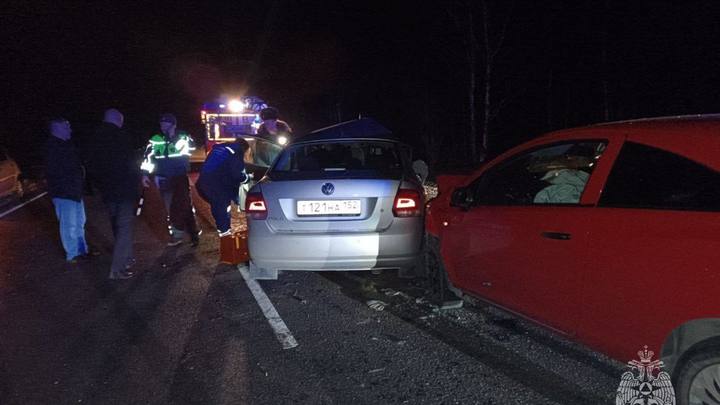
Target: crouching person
220	179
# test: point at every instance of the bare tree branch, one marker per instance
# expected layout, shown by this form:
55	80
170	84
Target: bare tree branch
503	30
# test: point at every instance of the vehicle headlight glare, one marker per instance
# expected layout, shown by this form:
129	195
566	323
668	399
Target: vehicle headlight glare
236	106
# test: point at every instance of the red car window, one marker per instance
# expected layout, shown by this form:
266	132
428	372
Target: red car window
647	177
555	174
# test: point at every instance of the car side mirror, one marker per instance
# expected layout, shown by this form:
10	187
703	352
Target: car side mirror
421	170
461	198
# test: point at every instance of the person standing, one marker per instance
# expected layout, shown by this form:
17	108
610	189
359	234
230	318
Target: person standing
167	157
65	183
220	178
112	168
272	128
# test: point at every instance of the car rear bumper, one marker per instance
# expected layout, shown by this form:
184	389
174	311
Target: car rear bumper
398	247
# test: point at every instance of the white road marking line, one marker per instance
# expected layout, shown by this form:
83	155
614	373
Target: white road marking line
17	207
276	323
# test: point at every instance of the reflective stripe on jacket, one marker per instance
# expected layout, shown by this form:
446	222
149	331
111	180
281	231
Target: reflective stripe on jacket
168	157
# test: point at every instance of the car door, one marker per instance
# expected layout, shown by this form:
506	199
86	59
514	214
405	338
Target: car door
523	241
654	247
258	158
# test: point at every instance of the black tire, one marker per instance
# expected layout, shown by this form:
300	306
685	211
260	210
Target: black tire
698	379
435	273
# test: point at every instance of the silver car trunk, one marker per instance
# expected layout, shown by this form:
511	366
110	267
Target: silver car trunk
374	214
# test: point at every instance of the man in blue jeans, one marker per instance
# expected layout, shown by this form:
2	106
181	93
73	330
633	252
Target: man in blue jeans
65	181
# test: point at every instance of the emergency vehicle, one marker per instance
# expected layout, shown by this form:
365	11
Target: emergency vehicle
230	119
226	120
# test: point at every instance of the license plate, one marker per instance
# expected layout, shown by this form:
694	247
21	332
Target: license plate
328	207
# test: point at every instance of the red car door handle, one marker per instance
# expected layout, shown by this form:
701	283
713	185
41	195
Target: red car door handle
556	235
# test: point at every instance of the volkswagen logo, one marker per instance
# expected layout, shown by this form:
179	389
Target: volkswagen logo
328	188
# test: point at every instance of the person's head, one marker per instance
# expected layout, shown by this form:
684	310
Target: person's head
247	151
269	113
168	123
114	117
60	128
243	144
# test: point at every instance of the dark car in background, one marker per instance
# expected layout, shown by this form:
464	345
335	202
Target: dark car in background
609	234
10	183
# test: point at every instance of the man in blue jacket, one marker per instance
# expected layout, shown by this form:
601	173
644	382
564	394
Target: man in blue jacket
220	180
65	181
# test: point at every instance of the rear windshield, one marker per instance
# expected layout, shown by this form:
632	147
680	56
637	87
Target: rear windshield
339	159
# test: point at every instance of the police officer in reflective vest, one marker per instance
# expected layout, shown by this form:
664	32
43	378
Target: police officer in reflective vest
220	180
167	157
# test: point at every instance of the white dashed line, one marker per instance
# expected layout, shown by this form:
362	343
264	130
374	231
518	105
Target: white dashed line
276	323
17	207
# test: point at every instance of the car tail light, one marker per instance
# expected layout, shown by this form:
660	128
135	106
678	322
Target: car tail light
408	203
255	206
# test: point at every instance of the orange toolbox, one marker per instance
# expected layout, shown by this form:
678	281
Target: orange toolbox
234	248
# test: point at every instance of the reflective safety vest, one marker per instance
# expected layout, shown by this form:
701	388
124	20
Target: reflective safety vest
168	157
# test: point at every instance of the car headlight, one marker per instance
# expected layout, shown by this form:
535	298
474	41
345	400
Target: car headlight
282	140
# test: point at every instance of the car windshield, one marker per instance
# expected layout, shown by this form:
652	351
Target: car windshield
338	159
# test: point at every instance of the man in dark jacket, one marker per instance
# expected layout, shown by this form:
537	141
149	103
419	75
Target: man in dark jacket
220	178
167	157
65	179
112	167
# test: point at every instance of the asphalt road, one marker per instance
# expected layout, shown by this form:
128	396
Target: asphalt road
188	330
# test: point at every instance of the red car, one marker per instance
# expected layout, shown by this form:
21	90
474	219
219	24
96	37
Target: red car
609	234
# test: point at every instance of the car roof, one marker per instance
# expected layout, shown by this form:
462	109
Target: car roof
675	120
697	123
693	136
362	128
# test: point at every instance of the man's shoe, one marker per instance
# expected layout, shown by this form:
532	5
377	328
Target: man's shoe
121	275
174	242
89	255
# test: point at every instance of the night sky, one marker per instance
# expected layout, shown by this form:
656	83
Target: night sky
558	64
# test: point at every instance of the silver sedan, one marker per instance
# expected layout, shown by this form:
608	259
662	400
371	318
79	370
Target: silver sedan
341	198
